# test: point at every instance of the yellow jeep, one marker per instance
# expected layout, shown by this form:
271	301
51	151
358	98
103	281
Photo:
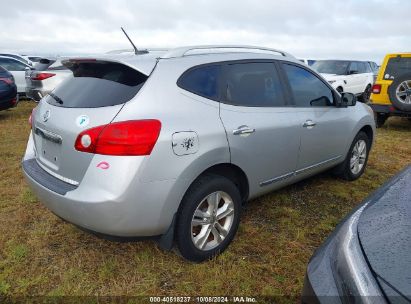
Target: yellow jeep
391	93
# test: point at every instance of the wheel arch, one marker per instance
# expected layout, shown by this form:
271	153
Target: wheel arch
367	129
228	170
233	173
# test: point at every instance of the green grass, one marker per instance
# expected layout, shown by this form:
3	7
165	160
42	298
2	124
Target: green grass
42	255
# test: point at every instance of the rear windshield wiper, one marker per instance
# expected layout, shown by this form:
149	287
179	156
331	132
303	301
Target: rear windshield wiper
56	98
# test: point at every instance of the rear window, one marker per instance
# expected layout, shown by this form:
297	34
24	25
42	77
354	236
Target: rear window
97	84
397	66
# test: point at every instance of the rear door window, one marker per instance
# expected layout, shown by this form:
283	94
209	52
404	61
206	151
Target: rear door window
97	84
397	66
254	84
202	80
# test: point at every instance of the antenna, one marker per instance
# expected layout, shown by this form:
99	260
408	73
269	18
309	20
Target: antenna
136	51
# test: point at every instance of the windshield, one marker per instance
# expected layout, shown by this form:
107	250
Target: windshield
331	67
397	66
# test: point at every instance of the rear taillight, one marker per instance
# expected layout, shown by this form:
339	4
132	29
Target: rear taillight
7	80
376	89
133	137
42	76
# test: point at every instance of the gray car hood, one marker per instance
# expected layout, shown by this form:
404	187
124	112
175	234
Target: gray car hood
384	230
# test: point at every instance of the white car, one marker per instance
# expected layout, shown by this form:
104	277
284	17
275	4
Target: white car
18	69
18	57
347	76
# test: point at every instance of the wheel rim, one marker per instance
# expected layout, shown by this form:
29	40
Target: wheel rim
358	156
403	92
212	220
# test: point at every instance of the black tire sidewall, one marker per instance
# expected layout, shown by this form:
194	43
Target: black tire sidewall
393	97
348	174
366	94
380	119
200	189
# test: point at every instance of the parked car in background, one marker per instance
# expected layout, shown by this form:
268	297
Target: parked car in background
39	83
18	69
391	93
8	90
308	62
367	258
18	57
44	63
34	59
347	76
119	148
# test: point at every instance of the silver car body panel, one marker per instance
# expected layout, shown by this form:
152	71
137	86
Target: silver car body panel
139	195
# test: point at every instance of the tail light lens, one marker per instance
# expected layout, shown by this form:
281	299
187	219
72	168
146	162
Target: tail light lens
133	137
376	89
7	80
42	76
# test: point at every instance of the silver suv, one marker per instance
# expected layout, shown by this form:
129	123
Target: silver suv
171	144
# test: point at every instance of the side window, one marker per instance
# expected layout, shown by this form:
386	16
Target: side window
354	68
307	89
12	65
362	67
253	85
202	81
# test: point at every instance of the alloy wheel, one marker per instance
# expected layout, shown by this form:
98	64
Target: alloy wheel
212	220
358	156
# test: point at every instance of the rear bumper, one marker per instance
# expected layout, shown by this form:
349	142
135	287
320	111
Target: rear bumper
136	212
9	103
36	94
113	201
389	110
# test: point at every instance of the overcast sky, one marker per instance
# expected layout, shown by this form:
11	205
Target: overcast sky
361	29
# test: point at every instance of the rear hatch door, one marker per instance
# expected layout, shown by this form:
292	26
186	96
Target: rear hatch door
93	97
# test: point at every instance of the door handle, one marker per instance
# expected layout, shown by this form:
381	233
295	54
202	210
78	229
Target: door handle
243	130
309	124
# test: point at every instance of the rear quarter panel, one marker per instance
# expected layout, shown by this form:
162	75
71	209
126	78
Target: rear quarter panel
178	111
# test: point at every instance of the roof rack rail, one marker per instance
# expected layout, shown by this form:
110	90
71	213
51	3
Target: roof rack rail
182	51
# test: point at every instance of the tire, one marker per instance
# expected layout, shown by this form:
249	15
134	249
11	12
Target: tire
197	207
365	96
400	92
380	119
345	170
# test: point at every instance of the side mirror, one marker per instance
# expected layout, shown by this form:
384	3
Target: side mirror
348	99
